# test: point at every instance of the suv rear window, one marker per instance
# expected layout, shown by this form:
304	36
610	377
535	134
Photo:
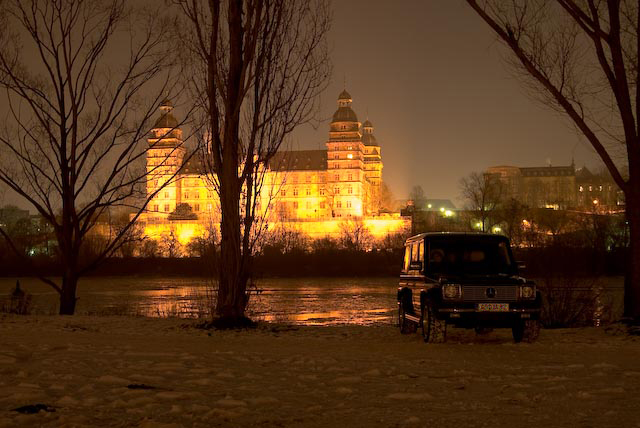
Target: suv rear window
469	256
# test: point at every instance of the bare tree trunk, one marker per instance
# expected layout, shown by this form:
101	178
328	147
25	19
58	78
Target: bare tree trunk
68	293
632	277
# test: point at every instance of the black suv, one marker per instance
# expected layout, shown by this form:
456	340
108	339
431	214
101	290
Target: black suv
468	280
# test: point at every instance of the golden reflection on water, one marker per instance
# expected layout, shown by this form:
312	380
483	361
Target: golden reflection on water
287	301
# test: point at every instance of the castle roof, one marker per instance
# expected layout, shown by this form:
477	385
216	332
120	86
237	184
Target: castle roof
547	171
299	160
344	114
369	140
344	95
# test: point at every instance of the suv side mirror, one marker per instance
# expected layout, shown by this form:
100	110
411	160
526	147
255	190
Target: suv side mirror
521	265
415	265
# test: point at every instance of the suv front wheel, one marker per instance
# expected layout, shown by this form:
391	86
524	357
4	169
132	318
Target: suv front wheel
433	329
526	331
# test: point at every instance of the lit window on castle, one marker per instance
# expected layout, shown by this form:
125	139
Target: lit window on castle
283	192
350	177
295	191
336	177
322	191
336	190
196	195
348	204
155	208
166	194
295	205
350	190
196	207
339	204
186	195
308	191
166	208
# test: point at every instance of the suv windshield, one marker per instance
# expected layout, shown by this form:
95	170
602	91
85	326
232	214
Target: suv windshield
469	256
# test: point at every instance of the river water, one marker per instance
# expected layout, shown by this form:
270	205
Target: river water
305	301
302	301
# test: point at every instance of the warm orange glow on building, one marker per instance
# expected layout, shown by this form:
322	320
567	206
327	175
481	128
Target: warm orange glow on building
313	191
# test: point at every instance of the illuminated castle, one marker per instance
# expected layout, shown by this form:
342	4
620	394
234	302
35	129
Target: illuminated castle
313	190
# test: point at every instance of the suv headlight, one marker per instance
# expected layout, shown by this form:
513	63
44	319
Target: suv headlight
527	292
451	291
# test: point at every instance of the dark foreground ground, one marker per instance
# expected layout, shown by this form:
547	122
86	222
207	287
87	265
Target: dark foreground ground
139	372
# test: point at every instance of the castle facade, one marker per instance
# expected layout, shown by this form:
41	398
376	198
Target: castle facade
311	190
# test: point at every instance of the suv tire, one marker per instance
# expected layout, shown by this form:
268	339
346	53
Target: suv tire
434	330
526	331
406	326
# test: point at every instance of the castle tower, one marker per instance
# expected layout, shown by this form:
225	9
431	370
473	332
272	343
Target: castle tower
345	161
164	159
373	167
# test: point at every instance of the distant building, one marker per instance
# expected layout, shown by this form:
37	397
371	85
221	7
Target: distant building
315	189
598	191
558	187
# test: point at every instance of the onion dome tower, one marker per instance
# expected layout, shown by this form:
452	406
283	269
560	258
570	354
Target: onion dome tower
165	155
372	154
372	166
345	161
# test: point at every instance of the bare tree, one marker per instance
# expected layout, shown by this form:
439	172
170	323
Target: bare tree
418	197
75	117
484	194
258	67
581	58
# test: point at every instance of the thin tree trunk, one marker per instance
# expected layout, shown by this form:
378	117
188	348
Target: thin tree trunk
68	293
632	277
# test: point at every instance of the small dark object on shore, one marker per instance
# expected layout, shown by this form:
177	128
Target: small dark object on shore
19	301
140	386
17	292
31	409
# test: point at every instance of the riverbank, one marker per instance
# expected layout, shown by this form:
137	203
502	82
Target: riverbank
125	371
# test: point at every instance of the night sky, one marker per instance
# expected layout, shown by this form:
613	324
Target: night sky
442	101
443	104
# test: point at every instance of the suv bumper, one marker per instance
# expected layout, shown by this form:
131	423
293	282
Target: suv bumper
468	314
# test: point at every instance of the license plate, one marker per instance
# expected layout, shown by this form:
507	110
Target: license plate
493	307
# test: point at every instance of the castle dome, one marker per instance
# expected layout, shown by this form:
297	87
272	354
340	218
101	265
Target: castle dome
166	119
344	95
368	139
344	112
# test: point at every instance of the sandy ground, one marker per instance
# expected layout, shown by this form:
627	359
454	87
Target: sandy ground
280	376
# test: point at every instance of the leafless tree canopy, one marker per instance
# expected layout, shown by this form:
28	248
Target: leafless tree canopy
581	58
75	111
256	69
484	194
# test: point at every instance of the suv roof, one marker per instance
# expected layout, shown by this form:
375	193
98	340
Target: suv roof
454	235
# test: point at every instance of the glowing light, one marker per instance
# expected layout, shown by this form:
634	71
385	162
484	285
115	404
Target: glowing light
429	206
441	209
497	229
448	213
349	156
479	225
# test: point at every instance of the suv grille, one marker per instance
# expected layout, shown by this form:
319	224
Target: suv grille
503	293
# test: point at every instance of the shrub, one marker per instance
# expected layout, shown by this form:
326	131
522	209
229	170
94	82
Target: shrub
571	301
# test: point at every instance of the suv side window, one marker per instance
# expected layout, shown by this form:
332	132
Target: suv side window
407	257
